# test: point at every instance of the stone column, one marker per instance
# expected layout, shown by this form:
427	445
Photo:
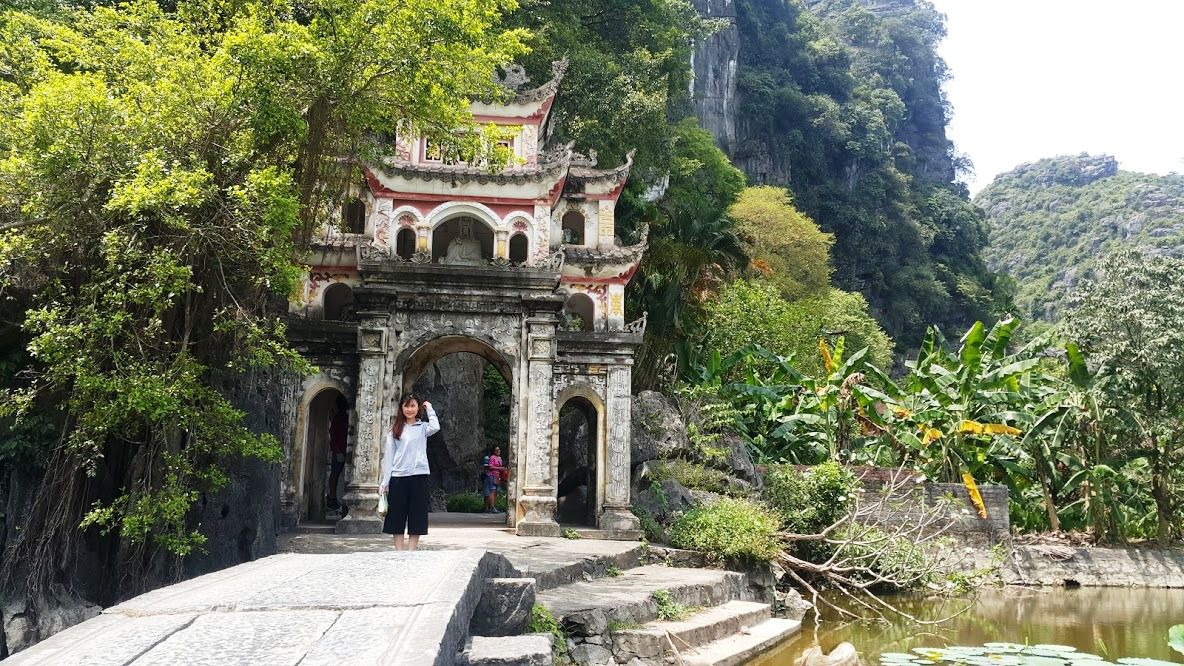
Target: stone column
616	514
538	493
361	493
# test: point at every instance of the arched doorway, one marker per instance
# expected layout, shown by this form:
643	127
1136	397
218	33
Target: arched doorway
326	418
573	227
338	302
579	438
519	248
580	312
471	387
405	243
354	215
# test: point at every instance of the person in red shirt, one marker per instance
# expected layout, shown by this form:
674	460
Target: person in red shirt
338	434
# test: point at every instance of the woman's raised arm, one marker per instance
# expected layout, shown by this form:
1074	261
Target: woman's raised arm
433	422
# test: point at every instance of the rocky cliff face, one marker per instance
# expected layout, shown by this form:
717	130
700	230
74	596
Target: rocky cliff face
756	148
714	65
454	386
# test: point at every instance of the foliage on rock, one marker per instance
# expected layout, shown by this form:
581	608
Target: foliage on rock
844	106
749	312
783	246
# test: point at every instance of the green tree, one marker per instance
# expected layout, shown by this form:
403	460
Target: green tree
693	244
1130	321
627	73
159	171
782	244
748	312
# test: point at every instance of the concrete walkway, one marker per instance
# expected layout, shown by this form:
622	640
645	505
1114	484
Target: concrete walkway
550	561
353	608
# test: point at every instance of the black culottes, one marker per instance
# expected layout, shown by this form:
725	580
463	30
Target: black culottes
408	499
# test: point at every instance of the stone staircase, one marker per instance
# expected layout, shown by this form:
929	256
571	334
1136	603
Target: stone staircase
616	619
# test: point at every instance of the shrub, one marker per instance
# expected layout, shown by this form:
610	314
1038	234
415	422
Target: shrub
748	312
809	501
729	530
466	503
693	476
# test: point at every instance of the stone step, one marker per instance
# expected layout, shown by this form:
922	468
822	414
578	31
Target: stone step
607	535
741	647
653	640
586	608
315	528
526	650
565	572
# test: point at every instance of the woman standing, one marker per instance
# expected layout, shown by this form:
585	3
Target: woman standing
405	471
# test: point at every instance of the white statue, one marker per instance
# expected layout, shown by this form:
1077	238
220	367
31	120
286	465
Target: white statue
464	250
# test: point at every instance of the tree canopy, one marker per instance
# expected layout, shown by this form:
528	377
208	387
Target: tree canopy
782	244
160	170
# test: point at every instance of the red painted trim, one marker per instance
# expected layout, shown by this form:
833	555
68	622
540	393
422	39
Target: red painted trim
379	190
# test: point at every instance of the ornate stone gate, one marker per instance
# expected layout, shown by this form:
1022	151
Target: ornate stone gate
521	267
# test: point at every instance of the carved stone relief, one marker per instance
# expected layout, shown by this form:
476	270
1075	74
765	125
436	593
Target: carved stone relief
617	490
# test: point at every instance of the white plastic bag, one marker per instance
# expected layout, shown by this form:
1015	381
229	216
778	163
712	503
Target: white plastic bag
382	504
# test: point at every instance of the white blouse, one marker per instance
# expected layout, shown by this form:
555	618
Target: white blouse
408	455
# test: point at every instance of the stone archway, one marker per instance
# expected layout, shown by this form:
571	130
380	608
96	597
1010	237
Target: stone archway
310	468
449	371
578	440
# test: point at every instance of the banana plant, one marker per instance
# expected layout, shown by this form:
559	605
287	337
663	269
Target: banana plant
958	413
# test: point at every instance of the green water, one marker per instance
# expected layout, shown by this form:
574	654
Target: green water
1112	622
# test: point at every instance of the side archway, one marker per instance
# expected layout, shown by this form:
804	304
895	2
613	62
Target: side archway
582	307
338	301
578	449
310	464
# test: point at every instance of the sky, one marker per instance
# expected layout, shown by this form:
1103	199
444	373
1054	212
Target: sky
1040	78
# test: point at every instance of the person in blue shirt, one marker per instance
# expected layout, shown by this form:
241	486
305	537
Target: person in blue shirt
405	471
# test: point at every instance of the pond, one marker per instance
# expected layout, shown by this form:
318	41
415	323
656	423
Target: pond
1111	622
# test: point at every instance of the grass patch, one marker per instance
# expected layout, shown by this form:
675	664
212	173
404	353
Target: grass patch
542	621
621	625
466	503
569	533
613	571
692	475
649	524
668	608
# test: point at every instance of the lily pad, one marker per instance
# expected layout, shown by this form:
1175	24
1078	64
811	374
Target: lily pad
1004	647
1056	648
1132	661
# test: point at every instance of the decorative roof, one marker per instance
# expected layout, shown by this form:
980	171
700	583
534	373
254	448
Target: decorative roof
550	164
515	78
578	254
583	173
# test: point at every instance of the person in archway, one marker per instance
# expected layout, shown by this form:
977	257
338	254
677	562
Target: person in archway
338	434
494	469
405	471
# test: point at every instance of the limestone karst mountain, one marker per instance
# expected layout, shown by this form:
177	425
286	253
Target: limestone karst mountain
1050	220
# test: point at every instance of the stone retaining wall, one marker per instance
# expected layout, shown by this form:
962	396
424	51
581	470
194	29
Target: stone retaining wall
1096	567
960	515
